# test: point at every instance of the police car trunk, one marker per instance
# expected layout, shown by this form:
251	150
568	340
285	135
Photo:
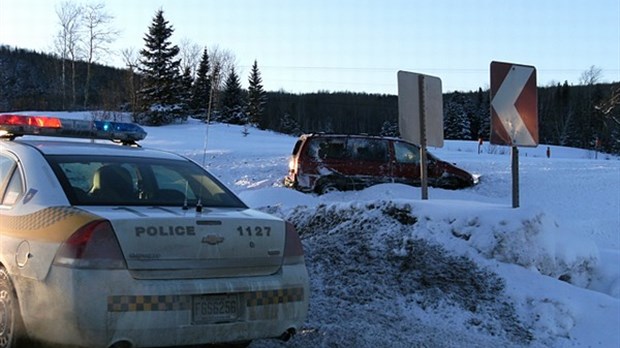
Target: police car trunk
167	243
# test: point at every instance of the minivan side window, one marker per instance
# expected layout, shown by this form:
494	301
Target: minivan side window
367	150
406	153
327	149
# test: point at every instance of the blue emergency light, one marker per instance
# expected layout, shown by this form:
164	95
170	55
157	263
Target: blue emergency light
12	126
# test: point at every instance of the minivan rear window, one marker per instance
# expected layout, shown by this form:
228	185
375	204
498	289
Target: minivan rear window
296	148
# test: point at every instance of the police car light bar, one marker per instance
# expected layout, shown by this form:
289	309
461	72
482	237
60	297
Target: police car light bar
17	125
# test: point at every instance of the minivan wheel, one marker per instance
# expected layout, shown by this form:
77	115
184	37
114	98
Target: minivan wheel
327	188
452	183
9	313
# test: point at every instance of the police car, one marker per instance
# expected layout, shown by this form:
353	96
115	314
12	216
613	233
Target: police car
115	245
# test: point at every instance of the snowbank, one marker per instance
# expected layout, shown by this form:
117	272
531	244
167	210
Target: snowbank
437	261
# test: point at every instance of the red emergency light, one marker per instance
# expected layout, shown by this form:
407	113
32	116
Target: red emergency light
36	121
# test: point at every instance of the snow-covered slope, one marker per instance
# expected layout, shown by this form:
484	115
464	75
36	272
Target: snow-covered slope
460	269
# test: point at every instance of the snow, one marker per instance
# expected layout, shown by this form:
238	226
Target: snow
462	268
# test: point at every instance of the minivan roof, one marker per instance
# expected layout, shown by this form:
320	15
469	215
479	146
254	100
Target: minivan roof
335	135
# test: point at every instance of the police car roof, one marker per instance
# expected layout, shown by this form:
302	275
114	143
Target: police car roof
87	147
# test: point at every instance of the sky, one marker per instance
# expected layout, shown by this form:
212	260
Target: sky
360	45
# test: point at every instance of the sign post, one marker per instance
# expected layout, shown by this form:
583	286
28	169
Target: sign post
514	112
420	116
515	176
423	162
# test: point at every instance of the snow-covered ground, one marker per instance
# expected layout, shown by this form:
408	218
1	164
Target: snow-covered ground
462	269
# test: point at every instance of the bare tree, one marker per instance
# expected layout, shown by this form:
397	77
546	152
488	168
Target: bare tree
67	41
190	55
99	33
132	61
222	62
591	76
225	60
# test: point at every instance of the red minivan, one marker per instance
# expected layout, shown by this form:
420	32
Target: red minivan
328	162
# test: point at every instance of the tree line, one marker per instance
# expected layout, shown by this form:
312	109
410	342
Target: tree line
166	91
164	83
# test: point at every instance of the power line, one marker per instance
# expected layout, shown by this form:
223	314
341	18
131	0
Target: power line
440	69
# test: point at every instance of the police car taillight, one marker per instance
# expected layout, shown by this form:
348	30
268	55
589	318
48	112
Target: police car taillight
93	245
293	250
18	125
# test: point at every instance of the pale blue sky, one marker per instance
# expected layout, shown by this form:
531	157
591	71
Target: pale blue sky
359	45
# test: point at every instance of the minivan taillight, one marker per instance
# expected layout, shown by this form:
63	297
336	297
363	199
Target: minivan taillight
293	250
93	245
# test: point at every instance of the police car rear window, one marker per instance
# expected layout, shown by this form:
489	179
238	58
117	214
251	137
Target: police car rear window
113	180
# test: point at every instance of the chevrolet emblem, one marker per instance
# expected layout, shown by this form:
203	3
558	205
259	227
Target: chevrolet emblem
212	239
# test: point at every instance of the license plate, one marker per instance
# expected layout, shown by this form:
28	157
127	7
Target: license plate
215	308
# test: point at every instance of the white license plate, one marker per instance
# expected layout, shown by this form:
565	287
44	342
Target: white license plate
215	308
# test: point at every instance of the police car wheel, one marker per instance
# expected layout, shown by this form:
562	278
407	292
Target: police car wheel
8	312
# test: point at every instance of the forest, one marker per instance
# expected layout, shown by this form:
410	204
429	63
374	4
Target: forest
585	116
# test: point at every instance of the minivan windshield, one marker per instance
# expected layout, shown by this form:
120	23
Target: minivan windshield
128	181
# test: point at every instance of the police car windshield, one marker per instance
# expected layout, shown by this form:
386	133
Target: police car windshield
133	181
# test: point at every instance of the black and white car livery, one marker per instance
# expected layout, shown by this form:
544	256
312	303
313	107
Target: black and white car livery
115	245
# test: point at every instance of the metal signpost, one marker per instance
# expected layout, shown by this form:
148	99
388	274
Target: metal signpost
514	112
420	116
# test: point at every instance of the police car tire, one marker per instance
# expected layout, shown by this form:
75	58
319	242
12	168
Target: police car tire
9	311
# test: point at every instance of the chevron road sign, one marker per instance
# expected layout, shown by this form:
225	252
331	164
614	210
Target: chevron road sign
514	112
514	105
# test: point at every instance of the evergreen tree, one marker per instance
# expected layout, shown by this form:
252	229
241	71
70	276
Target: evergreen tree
201	92
482	116
213	111
185	92
389	129
614	145
256	97
232	100
563	115
160	94
289	125
456	120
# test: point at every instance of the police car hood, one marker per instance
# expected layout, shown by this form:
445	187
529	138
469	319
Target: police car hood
172	243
